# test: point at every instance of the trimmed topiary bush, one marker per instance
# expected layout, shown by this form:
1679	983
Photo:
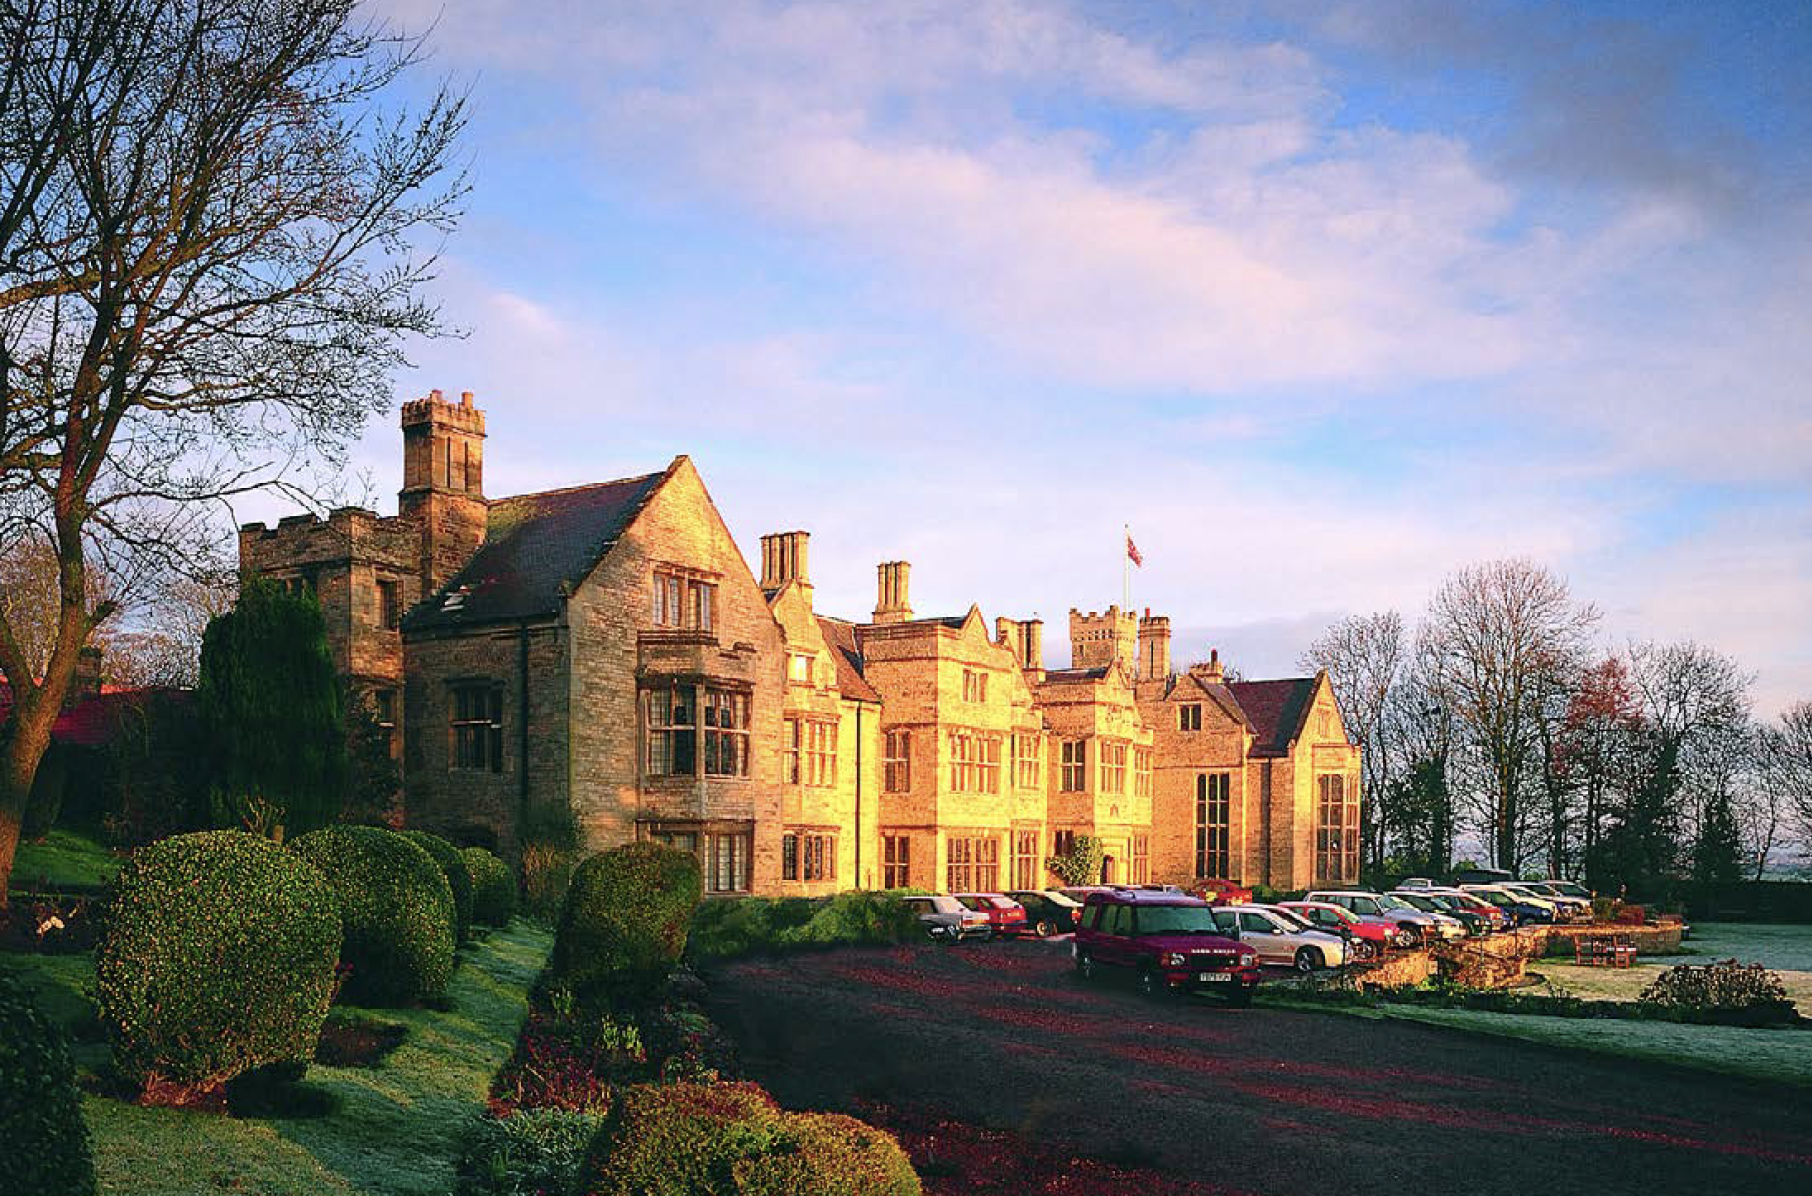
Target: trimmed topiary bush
452	863
703	1139
493	887
40	1112
829	1154
625	921
397	907
218	958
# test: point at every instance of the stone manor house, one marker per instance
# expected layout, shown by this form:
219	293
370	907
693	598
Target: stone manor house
604	655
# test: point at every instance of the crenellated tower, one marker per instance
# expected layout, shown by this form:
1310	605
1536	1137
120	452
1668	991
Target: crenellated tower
443	482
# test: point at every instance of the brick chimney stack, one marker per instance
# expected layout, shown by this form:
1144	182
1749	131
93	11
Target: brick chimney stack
893	604
1211	671
1154	646
87	681
783	559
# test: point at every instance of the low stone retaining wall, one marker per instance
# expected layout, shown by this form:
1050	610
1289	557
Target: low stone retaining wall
1662	939
1395	971
1494	961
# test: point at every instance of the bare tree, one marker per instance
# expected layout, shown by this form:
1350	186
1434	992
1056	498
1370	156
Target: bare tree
1593	751
211	256
1499	633
1364	657
160	644
1786	750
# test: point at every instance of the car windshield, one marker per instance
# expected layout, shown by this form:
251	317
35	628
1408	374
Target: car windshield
1570	889
1494	897
1294	920
1336	913
1386	901
1176	919
1416	900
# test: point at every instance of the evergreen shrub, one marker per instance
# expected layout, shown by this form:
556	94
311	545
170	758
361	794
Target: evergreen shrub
397	908
218	957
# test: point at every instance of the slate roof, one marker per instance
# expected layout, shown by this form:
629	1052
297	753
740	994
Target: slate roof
840	638
537	546
1275	709
1060	676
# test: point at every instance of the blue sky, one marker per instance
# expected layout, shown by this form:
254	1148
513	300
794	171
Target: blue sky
1324	300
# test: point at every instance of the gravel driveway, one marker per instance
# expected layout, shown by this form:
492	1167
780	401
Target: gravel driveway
1256	1100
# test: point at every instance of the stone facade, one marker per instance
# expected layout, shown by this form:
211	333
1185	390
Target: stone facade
601	659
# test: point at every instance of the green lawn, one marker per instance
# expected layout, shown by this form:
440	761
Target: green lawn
1787	950
1764	1054
63	858
393	1130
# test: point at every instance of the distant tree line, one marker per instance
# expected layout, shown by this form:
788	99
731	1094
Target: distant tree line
1500	714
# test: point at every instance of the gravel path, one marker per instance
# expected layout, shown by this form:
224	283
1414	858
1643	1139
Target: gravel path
1250	1101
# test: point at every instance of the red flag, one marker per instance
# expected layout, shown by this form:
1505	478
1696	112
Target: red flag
1132	552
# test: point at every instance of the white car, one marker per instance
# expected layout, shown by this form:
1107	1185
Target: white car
1573	909
1548	912
1280	938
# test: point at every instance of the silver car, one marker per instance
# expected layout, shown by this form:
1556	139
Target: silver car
1567	907
1381	907
1280	939
947	919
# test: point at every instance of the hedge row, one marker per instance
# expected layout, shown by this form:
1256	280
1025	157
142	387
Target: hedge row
224	951
730	927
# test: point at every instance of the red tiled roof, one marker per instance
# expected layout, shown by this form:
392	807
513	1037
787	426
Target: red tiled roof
94	721
535	546
1275	709
840	638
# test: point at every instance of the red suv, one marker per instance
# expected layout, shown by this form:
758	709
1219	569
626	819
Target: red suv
1168	941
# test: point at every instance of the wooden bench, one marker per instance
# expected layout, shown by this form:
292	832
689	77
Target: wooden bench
1604	951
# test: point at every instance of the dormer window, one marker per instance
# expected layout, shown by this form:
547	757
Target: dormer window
799	667
975	686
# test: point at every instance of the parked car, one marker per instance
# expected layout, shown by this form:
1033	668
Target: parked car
1416	925
1417	882
1169	943
1481	876
946	919
1566	909
1525	909
1499	919
1006	917
1080	893
1368	940
1570	888
1281	938
1048	911
1434	903
1222	892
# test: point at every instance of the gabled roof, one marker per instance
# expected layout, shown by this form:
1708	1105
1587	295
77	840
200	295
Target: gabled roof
537	548
1275	709
840	638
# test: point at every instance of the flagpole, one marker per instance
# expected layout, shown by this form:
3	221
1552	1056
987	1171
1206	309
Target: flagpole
1125	568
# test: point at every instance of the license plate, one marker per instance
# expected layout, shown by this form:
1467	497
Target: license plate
1213	977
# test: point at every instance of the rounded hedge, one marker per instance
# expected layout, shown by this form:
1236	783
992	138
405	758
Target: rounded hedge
397	907
219	957
625	921
703	1139
459	877
493	887
40	1112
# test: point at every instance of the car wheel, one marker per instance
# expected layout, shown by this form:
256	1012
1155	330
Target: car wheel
1044	929
1308	959
1085	966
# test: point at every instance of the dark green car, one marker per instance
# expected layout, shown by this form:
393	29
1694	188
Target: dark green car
1047	912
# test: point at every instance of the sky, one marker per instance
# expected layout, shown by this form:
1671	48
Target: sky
1323	301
